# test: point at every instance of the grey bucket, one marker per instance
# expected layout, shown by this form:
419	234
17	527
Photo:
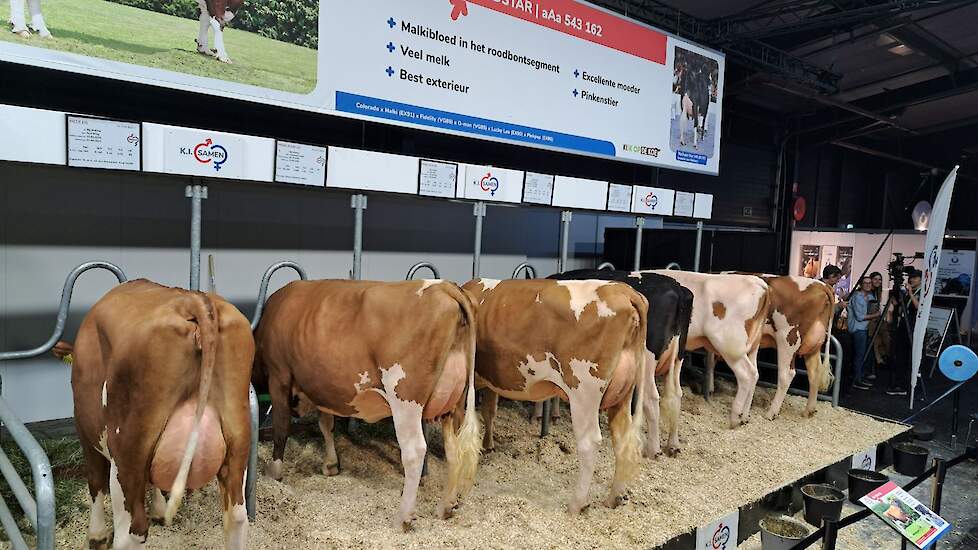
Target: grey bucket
782	533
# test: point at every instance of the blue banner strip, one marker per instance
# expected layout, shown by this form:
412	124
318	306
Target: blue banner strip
686	156
402	112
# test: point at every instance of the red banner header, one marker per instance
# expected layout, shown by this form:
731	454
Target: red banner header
580	21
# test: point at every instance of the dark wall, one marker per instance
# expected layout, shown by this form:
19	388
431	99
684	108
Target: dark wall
719	251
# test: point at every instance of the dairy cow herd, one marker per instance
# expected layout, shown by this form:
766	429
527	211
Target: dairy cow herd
160	375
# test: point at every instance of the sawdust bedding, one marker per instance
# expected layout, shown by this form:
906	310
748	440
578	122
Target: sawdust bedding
523	486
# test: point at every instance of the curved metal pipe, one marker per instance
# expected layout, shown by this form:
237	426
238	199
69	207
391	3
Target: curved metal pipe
674	265
263	288
607	265
59	326
251	479
422	265
529	269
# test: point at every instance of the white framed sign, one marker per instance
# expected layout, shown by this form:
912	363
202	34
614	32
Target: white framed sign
371	171
580	193
300	164
619	197
955	274
865	460
538	188
203	153
703	206
103	143
684	204
652	200
437	179
720	534
491	184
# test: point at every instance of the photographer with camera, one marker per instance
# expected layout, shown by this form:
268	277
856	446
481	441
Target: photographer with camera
906	301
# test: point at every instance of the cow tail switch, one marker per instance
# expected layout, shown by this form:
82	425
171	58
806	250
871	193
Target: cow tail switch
470	433
203	312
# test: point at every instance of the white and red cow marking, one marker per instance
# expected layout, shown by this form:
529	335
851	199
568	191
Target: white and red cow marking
583	293
18	21
428	283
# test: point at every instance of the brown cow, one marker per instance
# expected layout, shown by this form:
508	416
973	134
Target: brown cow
799	325
583	341
373	350
160	381
215	14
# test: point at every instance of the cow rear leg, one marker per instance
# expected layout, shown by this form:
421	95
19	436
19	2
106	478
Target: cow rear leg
746	373
786	373
231	479
128	511
157	506
98	487
17	20
331	464
587	433
755	376
222	54
653	446
709	373
627	453
37	20
281	423
672	406
813	363
203	45
410	438
487	406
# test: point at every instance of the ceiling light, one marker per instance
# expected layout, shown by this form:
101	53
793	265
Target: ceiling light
885	39
900	49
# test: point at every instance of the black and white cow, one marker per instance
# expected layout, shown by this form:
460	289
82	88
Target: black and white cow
215	14
18	21
670	310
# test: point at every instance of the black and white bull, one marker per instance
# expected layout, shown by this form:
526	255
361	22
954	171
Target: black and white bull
215	14
694	95
670	310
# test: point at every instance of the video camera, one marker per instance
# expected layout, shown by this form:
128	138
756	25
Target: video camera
899	269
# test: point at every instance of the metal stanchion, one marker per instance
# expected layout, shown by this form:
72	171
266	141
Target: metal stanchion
565	220
699	245
196	194
479	211
937	489
639	225
358	203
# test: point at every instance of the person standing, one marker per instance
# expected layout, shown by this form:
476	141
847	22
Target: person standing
903	326
880	335
859	318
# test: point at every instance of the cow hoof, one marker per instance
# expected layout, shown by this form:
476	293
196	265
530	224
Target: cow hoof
99	544
447	512
488	449
771	415
23	34
225	60
274	470
330	470
651	453
576	510
406	526
810	413
614	501
673	451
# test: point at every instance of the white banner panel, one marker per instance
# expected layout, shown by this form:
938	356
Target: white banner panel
619	197
102	143
652	200
193	152
538	188
580	193
370	171
488	183
684	204
703	206
603	85
300	163
22	129
438	179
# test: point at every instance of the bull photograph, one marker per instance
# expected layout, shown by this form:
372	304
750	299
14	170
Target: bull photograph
694	90
266	44
424	274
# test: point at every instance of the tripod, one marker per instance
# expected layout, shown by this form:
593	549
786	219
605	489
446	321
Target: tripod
896	300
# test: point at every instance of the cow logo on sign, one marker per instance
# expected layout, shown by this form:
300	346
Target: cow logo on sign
866	463
721	537
489	183
210	152
932	261
133	139
651	200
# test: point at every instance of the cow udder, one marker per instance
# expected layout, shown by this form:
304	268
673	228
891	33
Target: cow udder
208	457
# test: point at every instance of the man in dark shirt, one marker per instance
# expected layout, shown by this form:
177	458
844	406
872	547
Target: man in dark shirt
902	329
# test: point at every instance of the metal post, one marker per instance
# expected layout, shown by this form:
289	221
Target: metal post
955	411
937	489
251	480
639	225
831	533
565	220
479	211
196	193
837	385
358	203
699	245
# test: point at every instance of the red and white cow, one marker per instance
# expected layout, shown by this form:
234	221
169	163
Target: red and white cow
800	324
728	318
214	15
19	23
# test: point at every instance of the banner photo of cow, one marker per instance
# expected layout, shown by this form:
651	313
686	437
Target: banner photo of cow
694	89
268	44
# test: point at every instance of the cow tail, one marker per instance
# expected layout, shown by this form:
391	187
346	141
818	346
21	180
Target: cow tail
205	314
634	439
825	376
470	433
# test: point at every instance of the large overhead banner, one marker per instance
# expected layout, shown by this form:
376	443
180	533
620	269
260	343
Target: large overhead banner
557	74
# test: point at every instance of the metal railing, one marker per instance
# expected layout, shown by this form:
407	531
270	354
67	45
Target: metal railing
607	265
531	271
422	265
39	508
251	481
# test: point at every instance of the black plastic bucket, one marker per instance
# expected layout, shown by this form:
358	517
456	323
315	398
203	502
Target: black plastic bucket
782	533
910	459
822	501
862	482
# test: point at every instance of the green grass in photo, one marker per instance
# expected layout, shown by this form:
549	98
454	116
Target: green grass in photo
107	30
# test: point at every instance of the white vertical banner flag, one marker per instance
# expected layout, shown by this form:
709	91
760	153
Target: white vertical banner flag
932	258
